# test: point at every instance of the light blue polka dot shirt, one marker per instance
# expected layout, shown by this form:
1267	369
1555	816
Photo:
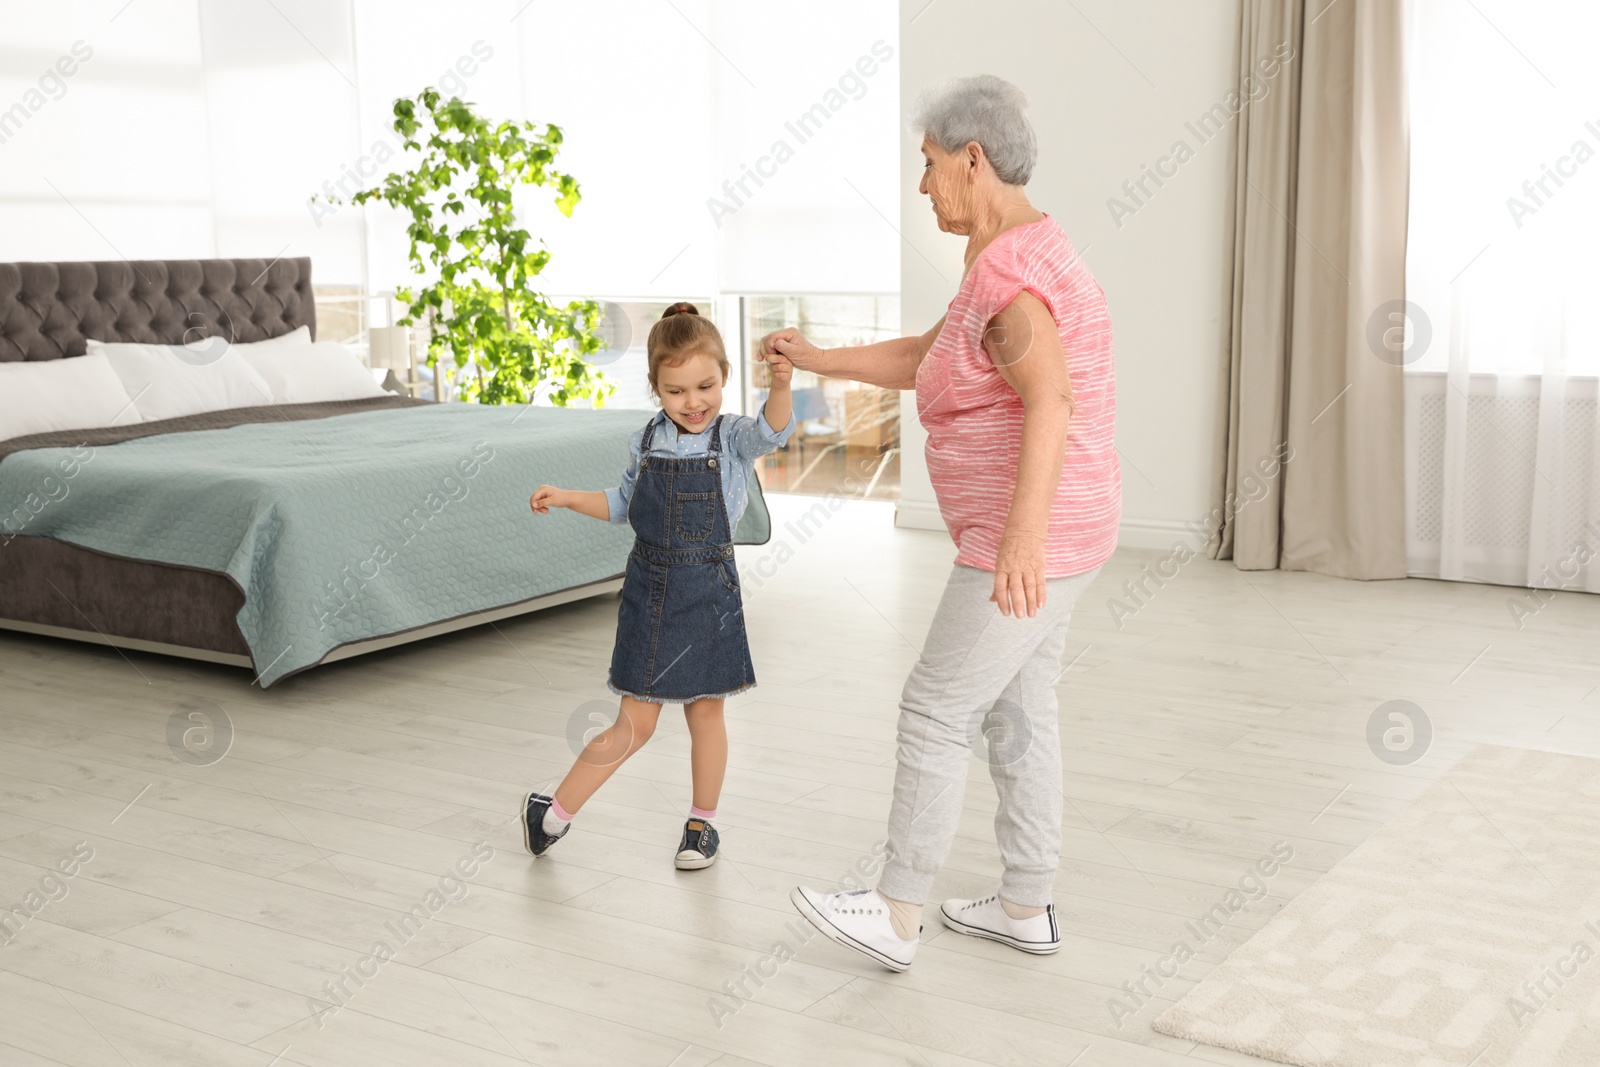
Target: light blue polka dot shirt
744	438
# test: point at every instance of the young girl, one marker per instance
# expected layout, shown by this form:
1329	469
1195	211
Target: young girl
680	628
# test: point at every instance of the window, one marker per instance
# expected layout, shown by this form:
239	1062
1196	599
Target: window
848	433
624	361
1500	335
341	311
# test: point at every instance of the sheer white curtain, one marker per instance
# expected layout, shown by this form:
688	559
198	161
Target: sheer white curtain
1502	339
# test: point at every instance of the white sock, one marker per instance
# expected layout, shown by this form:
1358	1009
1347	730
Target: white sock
1018	911
553	823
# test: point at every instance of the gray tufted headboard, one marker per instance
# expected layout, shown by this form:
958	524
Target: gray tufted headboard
48	310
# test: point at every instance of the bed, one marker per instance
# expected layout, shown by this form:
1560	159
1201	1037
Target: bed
282	536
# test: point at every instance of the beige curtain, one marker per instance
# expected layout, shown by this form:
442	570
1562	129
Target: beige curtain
1314	468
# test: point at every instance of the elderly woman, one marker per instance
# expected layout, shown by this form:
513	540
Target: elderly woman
1015	386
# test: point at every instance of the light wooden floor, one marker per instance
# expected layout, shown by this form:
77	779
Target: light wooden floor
1229	714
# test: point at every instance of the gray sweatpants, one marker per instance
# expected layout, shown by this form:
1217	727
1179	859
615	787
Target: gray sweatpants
985	682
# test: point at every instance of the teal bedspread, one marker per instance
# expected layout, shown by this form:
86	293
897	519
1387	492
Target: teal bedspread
356	526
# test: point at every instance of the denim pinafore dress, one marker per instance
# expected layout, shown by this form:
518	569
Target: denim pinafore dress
680	627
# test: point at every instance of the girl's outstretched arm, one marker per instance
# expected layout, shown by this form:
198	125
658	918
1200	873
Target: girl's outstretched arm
591	504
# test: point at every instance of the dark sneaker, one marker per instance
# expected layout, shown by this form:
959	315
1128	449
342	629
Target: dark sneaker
533	835
699	846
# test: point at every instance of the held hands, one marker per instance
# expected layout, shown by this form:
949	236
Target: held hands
547	497
1019	574
787	346
780	350
782	371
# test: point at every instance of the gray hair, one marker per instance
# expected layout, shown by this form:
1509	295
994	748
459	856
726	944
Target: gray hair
985	109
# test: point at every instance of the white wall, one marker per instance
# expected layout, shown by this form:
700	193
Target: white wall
1109	90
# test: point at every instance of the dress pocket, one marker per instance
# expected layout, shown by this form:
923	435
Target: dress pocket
696	515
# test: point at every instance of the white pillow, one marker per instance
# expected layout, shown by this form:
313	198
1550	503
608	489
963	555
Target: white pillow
306	374
300	335
207	349
168	381
78	393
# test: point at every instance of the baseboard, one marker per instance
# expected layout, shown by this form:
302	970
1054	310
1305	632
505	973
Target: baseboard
918	515
1157	533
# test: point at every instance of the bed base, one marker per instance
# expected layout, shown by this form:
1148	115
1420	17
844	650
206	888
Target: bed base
346	651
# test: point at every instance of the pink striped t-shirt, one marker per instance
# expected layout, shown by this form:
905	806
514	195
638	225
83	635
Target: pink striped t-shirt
974	418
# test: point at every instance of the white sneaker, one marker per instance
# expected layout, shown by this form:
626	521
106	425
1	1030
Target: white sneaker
857	919
986	918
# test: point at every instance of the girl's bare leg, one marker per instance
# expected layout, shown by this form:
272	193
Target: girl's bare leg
636	721
708	750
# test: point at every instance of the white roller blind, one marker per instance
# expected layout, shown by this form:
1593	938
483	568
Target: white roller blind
630	85
280	82
203	128
103	153
808	147
466	50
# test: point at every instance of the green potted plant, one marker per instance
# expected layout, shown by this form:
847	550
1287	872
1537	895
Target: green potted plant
478	265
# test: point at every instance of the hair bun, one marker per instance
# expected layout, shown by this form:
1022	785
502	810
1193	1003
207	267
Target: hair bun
682	307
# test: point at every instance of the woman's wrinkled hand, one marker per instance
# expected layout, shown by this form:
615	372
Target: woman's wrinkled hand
790	345
1019	574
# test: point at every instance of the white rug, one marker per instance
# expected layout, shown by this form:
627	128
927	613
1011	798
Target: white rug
1466	931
